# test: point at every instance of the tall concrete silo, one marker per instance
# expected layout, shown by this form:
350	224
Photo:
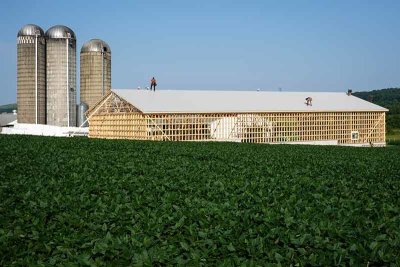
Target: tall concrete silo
95	71
61	76
31	75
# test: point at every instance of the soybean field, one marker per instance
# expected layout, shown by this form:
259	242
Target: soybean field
88	202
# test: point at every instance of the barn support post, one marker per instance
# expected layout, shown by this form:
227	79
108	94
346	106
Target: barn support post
380	119
156	125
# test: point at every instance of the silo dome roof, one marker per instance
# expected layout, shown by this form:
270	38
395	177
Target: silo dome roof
59	32
95	45
30	30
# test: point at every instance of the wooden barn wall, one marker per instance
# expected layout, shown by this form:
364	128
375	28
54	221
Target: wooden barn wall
118	126
251	128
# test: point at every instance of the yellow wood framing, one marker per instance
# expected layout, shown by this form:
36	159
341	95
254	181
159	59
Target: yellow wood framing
130	123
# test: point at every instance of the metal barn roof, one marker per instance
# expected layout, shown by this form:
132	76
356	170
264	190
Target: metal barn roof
191	101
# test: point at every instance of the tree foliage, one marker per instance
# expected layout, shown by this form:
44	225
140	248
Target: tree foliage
8	108
388	98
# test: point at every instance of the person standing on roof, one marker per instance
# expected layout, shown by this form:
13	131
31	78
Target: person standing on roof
153	84
309	101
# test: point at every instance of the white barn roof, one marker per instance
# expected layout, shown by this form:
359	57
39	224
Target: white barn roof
191	101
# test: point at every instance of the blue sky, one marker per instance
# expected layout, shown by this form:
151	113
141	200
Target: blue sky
293	45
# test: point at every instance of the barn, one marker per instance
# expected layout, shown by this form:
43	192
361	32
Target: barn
238	116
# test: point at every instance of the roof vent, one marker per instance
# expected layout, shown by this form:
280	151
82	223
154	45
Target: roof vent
349	92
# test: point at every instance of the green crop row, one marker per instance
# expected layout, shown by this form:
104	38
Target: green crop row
77	201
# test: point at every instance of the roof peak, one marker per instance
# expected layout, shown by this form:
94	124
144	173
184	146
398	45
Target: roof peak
230	91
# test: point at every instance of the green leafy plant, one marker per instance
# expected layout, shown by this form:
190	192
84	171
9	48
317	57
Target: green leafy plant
77	201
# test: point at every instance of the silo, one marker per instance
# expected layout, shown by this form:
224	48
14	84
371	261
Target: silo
61	76
81	118
95	71
31	75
